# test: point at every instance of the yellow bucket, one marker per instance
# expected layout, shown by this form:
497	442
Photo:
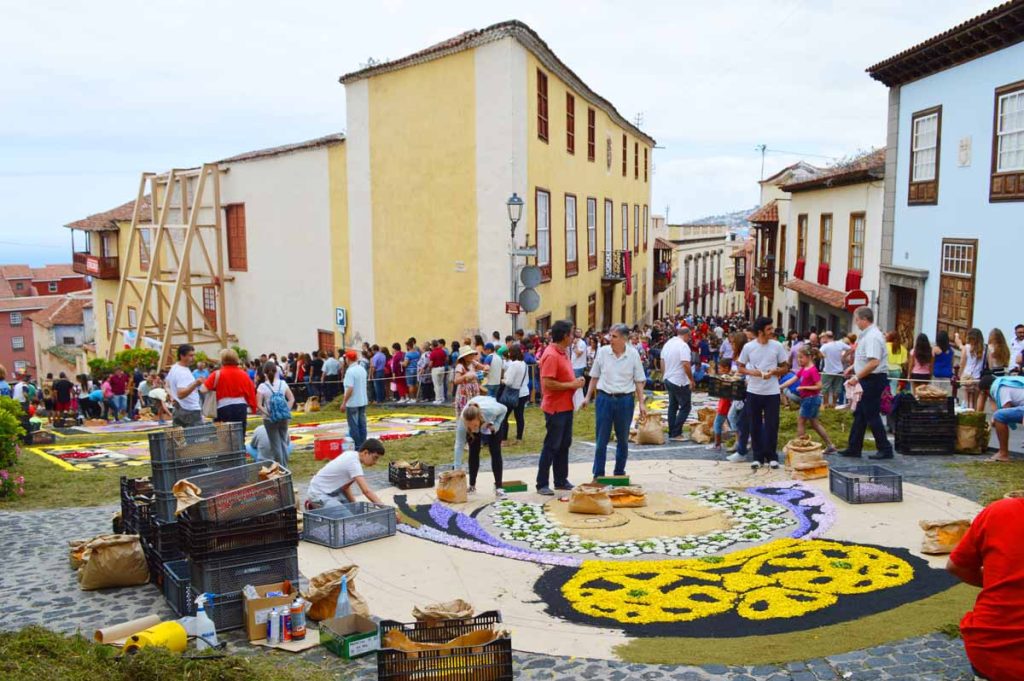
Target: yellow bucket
170	635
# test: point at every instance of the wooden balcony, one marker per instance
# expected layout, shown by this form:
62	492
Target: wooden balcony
764	281
614	269
662	282
95	266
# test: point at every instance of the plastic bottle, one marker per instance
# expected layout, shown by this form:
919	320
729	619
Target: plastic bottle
298	613
274	626
206	630
343	608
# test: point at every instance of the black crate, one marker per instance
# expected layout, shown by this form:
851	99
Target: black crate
209	439
402	478
176	586
236	493
224	574
166	473
201	539
226	610
348	524
909	405
926	435
164	505
164	539
156	561
136	500
729	390
492	662
865	484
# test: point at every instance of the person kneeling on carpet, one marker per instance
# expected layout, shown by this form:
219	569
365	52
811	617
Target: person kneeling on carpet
1008	395
331	487
481	418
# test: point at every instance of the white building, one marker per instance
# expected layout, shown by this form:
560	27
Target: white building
706	270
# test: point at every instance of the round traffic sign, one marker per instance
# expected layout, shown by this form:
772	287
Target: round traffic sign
529	299
854	299
530	276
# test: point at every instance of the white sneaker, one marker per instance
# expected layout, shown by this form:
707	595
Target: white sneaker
472	489
735	457
712	447
499	493
774	465
755	465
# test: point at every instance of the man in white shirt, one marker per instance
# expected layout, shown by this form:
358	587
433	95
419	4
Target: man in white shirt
1008	394
832	371
871	370
494	369
182	388
355	400
763	360
1017	347
578	354
678	377
618	378
332	485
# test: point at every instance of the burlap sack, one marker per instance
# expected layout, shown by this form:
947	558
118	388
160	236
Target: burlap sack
810	470
311	405
707	415
702	433
649	430
802	450
113	560
76	552
324	590
590	499
929	392
186	495
971	439
453	487
627	497
942	536
443	612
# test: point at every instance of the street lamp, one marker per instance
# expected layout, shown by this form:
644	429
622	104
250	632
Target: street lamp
515	213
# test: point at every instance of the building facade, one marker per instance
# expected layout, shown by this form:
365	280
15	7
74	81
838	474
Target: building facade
17	336
437	143
22	280
60	334
954	190
706	268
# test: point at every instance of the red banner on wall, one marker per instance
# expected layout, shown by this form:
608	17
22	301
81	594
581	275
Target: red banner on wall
627	269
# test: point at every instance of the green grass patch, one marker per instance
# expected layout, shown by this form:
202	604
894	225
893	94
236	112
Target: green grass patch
996	479
940	612
37	653
50	486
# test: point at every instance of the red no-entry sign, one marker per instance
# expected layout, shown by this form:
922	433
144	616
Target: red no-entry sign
854	299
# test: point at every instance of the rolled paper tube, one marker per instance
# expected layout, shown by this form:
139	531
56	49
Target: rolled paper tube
116	634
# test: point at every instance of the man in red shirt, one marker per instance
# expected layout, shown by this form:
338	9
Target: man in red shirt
119	388
438	362
991	555
559	383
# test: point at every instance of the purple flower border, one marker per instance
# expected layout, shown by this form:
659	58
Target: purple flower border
816	507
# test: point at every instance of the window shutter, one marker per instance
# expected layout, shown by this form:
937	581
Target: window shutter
237	256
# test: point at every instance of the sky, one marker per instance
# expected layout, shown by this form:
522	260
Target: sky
96	93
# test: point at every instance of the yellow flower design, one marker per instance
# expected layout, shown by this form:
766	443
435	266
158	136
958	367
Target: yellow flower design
784	578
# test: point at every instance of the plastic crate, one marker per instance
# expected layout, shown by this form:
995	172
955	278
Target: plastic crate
236	493
136	502
163	507
156	561
226	610
402	478
176	586
492	662
225	574
911	406
865	484
209	439
938	438
165	540
202	539
327	448
729	390
166	473
348	524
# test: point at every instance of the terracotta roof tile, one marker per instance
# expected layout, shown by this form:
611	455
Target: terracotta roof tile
829	296
15	271
66	311
5	289
662	244
53	272
769	212
107	220
27	303
324	141
867	167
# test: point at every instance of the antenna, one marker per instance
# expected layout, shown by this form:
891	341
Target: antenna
762	148
639	119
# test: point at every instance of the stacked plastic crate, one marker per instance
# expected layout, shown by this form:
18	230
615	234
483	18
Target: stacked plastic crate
243	531
176	454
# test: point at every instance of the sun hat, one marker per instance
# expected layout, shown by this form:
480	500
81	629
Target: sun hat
466	351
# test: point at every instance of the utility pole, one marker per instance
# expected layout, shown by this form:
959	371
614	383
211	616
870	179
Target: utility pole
762	148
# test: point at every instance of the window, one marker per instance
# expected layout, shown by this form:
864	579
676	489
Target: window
543	325
109	309
68	340
133	318
958	258
591	233
570	123
609	215
17	342
645	164
543	222
624	152
636	228
825	241
145	244
16	319
570	314
51	287
20	366
625	226
19	286
592	311
636	160
237	255
1008	144
645	227
856	261
958	265
801	247
924	156
571	257
210	306
591	135
542	106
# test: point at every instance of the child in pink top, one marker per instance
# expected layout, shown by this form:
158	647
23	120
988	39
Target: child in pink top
809	388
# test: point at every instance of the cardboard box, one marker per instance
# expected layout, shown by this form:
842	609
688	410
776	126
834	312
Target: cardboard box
614	480
257	609
514	486
350	637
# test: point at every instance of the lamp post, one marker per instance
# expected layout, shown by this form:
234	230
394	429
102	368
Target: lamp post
515	213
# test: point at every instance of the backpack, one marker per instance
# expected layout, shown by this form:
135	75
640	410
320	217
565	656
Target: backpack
277	406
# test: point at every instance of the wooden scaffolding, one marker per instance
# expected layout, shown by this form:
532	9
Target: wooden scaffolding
178	276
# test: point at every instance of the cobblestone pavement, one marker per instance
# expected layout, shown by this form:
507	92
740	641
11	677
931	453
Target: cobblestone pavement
38	587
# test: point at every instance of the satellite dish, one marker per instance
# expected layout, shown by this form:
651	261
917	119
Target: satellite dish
530	276
529	299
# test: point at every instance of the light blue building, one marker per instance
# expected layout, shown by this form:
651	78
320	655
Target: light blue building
953	216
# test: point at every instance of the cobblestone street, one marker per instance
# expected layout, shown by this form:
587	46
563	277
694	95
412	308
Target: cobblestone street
38	587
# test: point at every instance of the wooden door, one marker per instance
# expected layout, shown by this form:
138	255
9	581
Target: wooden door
906	314
325	342
956	285
606	311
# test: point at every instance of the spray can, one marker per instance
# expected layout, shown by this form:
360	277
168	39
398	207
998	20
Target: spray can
274	626
286	624
298	620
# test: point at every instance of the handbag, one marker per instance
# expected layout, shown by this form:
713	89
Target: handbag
509	396
210	400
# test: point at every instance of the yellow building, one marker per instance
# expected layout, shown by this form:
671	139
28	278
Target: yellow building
437	142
